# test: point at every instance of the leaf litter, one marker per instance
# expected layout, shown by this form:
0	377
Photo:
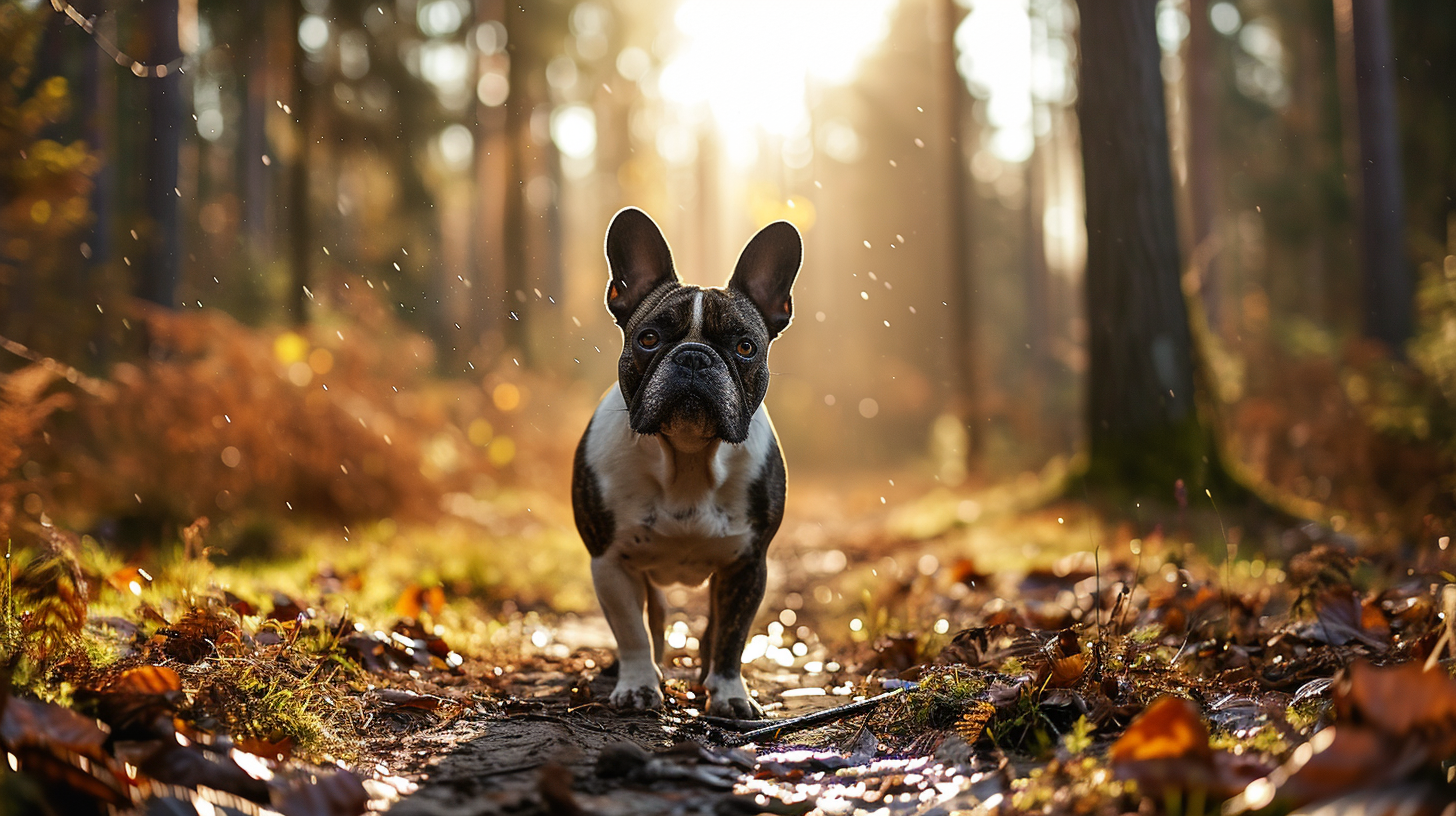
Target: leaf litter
959	653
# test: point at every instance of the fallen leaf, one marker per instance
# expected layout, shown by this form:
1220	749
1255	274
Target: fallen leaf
1170	728
28	723
146	680
1404	701
338	794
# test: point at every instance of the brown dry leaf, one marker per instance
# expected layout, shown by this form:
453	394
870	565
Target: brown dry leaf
279	750
1166	749
286	609
238	605
194	765
146	680
1405	701
1067	671
1392	721
338	794
1341	618
1169	729
61	750
28	723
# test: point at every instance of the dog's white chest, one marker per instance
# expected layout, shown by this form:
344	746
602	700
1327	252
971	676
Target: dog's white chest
678	516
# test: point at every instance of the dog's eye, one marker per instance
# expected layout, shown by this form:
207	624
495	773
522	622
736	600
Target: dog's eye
647	339
746	348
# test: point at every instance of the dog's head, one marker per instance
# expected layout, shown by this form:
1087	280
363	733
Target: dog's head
694	360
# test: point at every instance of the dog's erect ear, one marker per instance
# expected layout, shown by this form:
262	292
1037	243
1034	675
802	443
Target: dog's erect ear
638	259
766	271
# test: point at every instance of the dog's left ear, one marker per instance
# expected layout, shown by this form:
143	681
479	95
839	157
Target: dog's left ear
766	270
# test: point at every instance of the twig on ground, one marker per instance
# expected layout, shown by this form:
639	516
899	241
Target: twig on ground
806	721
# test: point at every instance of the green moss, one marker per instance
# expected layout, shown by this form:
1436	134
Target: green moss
943	696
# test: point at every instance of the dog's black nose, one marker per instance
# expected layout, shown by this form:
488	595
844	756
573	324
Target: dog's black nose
693	359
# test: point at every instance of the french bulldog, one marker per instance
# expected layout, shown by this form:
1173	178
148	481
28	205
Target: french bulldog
679	478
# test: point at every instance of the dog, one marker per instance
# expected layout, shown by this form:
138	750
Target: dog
679	478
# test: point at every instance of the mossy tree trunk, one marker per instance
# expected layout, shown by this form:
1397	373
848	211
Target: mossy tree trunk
1144	428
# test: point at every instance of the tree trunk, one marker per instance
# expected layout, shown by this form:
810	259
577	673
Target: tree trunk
962	289
253	143
301	232
159	270
1038	284
1388	284
491	191
1143	429
1203	157
517	142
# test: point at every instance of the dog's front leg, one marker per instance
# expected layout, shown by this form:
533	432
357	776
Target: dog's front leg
623	596
737	592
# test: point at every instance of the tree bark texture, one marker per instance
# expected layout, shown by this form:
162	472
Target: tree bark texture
1143	427
1203	155
1387	279
160	271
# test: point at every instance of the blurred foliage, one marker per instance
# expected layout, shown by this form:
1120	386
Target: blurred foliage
45	186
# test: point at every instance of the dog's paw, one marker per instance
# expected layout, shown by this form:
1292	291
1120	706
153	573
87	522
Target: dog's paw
634	697
728	697
737	708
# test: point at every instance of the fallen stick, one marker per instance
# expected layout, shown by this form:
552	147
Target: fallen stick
807	721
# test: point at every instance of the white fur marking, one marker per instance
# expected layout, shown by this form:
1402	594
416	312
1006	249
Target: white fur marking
696	330
679	516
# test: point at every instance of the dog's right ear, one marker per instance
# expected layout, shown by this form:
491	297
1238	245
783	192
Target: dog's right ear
638	259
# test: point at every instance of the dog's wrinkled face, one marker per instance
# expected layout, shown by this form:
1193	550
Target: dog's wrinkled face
695	361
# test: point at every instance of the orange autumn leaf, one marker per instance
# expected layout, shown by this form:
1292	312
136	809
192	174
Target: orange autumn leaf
416	600
147	680
1170	728
1067	671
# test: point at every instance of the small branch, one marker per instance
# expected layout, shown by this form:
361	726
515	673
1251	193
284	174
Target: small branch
806	721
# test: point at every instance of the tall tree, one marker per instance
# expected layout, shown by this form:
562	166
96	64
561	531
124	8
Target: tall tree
301	228
1143	429
1388	283
962	290
1203	154
160	269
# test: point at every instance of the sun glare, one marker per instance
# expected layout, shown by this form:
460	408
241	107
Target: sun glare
750	65
1016	55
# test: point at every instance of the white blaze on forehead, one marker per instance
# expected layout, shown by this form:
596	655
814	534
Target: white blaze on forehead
695	329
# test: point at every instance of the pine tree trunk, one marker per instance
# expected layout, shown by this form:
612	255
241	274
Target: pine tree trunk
962	289
159	271
300	222
1203	157
517	142
1143	427
1388	284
